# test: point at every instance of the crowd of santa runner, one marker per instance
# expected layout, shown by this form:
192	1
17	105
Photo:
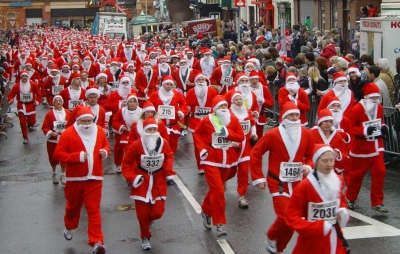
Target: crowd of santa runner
152	90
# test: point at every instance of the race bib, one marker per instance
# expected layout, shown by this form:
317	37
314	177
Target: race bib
72	104
290	171
323	211
245	126
375	123
56	89
114	86
166	112
59	126
226	80
220	142
152	163
26	97
122	103
201	112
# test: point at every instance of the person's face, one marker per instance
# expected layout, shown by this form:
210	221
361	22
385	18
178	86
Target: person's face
182	63
174	60
249	67
24	78
189	56
65	69
92	99
149	113
77	81
58	103
23	56
291	80
325	163
293	117
335	107
167	47
238	101
162	59
151	130
84	77
223	106
326	125
353	75
168	86
125	83
342	83
130	68
307	61
147	64
75	69
277	67
375	98
254	82
102	80
243	80
28	67
85	121
132	103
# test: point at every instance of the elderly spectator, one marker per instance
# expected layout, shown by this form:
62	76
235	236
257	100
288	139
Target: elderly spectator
387	76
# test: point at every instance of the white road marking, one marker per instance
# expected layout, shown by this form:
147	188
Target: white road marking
196	206
376	229
225	246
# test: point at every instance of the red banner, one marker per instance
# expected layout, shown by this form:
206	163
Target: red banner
240	3
204	26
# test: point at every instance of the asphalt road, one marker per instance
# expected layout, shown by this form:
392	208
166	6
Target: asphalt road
32	209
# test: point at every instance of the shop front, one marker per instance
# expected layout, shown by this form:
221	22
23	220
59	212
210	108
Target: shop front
266	12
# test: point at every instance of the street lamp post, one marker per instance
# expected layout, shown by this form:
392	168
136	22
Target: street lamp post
282	11
145	6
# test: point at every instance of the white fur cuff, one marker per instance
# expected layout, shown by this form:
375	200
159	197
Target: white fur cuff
327	227
105	152
138	181
82	157
344	217
203	154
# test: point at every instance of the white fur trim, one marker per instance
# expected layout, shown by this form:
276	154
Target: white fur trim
123	79
320	151
180	114
327	227
81	157
236	94
91	91
344	217
325	118
101	75
289	112
219	104
150	126
167	81
333	102
203	154
105	152
138	181
340	154
151	108
371	95
261	180
85	115
339	79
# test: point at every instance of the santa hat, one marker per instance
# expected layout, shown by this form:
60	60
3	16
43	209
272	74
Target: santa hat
54	68
146	60
148	106
24	73
370	90
149	123
324	115
206	51
28	63
236	93
338	76
131	96
320	149
65	64
240	76
58	96
183	59
175	55
75	65
167	79
198	74
226	59
83	73
189	52
126	65
92	90
289	108
65	51
354	68
114	60
218	101
101	74
348	60
123	78
248	62
290	75
84	111
253	74
74	75
332	100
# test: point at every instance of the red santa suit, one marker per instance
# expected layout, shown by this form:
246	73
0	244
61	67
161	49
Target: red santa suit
83	175
54	121
107	52
123	118
171	107
92	70
287	158
72	97
164	69
217	157
54	87
223	78
192	60
249	97
146	84
113	78
300	99
183	77
146	168
128	54
366	150
28	97
117	99
130	75
318	234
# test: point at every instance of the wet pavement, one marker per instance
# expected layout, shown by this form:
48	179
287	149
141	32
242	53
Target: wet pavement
32	209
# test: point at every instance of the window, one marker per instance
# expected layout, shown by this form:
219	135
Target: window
213	1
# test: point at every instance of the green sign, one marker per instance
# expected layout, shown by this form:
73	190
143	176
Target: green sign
225	3
141	19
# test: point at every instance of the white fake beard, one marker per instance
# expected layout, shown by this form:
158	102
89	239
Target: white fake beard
292	128
370	107
123	91
200	90
164	95
25	87
337	117
113	70
44	63
206	58
163	66
225	68
128	53
150	140
247	72
86	65
85	131
183	69
224	116
244	88
146	69
239	112
330	184
292	87
131	116
339	90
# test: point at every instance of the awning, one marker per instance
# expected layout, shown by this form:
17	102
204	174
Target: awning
141	19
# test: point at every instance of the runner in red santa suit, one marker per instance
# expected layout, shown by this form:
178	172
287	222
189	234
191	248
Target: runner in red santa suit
28	97
129	71
122	124
292	92
214	138
82	147
54	124
340	90
146	165
168	51
33	74
113	74
104	88
317	209
163	68
85	81
190	58
153	57
101	63
91	69
206	64
248	124
340	122
290	149
264	100
74	94
199	101
253	64
325	133
367	148
106	51
65	71
171	107
20	61
184	77
222	76
146	82
141	56
64	58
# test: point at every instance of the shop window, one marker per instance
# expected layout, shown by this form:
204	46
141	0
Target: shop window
11	15
334	13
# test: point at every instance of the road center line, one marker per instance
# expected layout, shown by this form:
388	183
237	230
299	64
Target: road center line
225	246
196	206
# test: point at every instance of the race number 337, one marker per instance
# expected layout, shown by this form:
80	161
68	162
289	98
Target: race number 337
290	171
166	112
323	211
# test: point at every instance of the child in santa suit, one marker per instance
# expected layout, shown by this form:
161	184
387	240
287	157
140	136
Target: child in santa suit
146	164
248	124
28	97
82	147
53	125
122	123
317	208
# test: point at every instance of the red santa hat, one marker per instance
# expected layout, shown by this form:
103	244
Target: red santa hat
75	64
92	90
126	65
236	93
370	90
101	74
189	52
240	76
167	79
147	60
28	63
123	78
173	54
290	75
226	59
332	100
218	101
198	74
84	111
24	73
131	96
289	108
74	75
59	97
253	74
324	115
114	60
54	68
248	62
148	106
338	76
150	122
206	51
354	68
65	51
65	64
320	149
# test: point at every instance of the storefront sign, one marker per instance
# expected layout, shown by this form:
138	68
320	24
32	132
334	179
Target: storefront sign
20	4
204	26
371	25
395	24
